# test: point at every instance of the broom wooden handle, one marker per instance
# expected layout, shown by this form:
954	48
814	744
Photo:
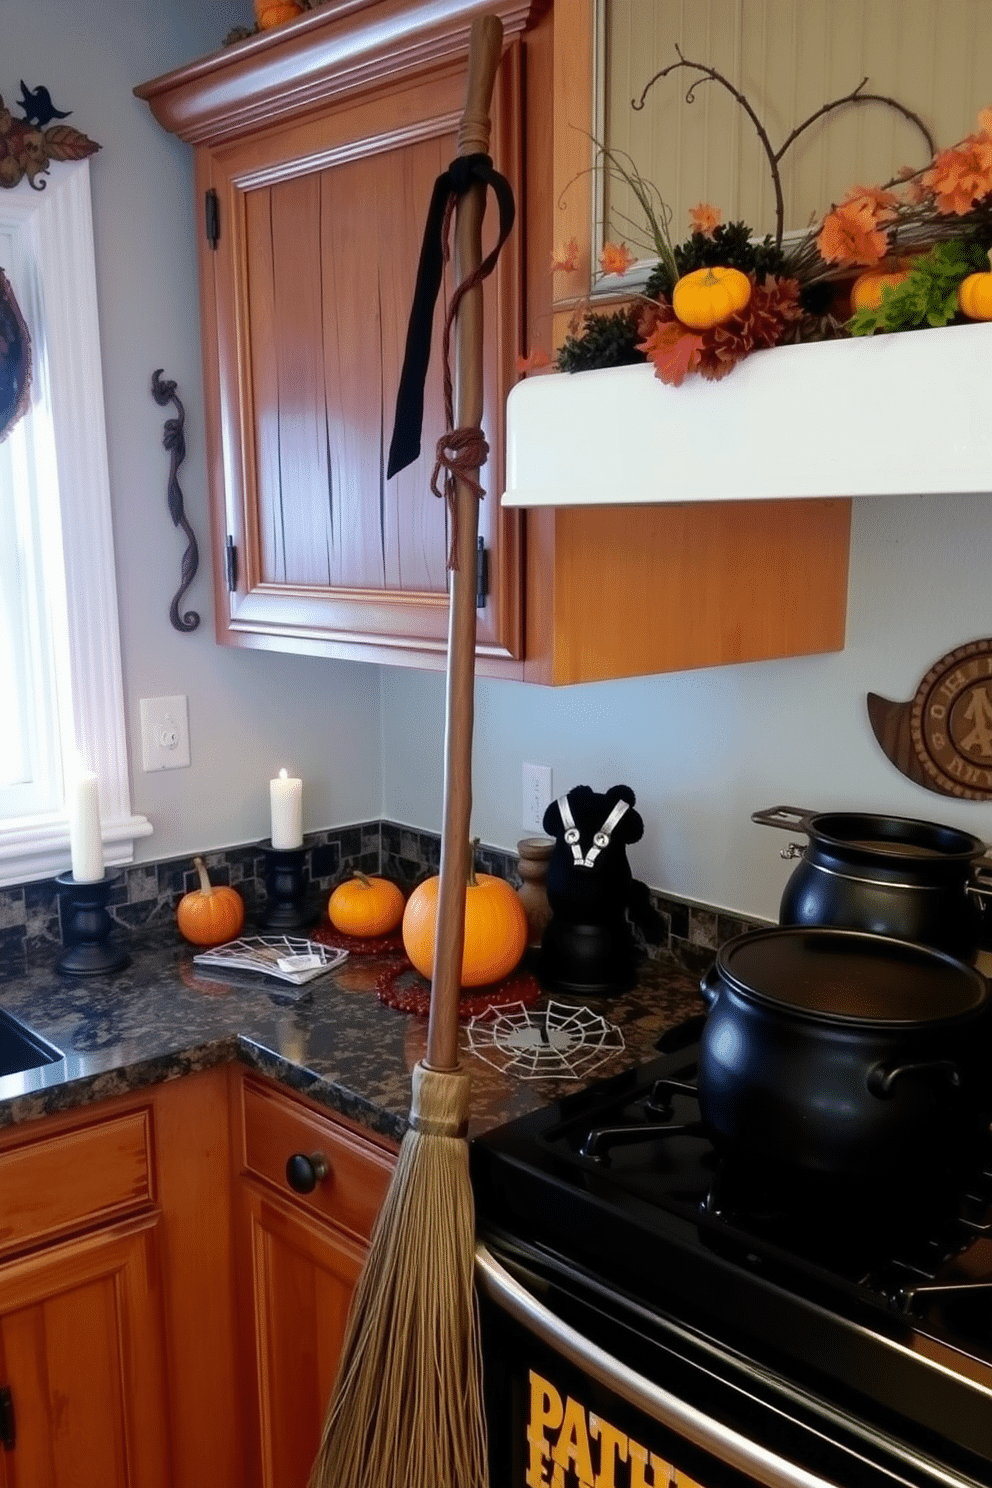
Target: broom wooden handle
485	47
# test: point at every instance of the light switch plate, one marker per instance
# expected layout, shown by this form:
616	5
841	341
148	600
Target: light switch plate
164	733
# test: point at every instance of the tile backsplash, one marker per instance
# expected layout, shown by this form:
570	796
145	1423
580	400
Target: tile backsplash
146	894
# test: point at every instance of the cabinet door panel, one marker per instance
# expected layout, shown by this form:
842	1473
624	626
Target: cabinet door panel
303	1276
312	287
81	1345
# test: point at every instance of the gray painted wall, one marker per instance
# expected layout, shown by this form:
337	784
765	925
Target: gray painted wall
702	750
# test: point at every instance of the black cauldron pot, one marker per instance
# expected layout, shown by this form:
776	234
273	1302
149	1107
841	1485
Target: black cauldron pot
887	875
840	1053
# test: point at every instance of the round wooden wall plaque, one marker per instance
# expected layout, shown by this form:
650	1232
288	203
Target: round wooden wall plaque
942	737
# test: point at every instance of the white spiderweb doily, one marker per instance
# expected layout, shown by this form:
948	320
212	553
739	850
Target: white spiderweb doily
542	1043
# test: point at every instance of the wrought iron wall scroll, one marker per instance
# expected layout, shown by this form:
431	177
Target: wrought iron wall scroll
174	440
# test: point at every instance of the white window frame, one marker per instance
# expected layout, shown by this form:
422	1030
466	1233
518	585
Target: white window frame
60	222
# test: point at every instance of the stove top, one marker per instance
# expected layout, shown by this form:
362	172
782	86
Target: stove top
883	1297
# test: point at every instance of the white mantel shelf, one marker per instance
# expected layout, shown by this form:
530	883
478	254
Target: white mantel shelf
887	415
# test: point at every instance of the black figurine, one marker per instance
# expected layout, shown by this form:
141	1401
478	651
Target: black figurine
588	944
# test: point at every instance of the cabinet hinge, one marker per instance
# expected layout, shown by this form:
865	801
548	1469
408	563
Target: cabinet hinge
231	562
211	212
481	575
8	1435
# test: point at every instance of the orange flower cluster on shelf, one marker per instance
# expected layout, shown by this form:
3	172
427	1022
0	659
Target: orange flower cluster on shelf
940	215
864	227
675	349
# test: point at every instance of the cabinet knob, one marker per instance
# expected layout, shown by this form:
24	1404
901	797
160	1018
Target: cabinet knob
305	1170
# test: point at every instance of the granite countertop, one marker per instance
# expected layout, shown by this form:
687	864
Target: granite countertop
332	1039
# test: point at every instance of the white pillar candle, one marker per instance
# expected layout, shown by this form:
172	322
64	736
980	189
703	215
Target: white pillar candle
85	838
286	800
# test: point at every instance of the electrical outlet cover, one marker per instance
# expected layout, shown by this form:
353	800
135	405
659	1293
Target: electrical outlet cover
536	795
164	733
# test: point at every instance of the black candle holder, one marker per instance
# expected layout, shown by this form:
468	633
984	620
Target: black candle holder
286	884
87	926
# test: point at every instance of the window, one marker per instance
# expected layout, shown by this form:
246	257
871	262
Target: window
59	641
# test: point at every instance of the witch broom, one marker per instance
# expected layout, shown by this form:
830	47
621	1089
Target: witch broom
407	1403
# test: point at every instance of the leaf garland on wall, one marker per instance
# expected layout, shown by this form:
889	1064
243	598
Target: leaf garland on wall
27	147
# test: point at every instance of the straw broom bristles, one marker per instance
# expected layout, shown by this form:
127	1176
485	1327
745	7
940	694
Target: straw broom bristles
407	1408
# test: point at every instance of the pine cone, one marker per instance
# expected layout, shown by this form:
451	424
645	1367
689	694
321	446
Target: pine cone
606	340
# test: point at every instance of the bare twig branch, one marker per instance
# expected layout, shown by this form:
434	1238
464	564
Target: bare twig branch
857	95
712	75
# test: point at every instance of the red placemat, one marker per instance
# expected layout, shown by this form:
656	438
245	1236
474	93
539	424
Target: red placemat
359	945
402	987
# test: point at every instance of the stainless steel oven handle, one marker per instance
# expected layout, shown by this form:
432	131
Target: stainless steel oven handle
712	1436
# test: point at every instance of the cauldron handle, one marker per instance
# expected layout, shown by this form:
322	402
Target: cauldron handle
709	985
980	888
981	883
882	1077
789	818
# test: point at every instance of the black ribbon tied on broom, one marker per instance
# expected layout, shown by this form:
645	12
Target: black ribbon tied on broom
460	452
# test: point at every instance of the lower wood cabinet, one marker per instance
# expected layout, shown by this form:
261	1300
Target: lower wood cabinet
117	1311
299	1256
171	1310
83	1357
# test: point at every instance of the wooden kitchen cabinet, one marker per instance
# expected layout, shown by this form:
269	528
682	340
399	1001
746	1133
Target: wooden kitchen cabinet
316	153
316	146
299	1256
116	1294
82	1351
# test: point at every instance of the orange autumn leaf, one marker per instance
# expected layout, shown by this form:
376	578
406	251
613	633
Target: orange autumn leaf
533	361
961	176
673	350
564	259
615	258
704	218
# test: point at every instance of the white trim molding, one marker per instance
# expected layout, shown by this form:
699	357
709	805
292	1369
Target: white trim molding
59	221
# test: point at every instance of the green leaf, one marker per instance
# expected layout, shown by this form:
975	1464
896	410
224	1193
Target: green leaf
929	293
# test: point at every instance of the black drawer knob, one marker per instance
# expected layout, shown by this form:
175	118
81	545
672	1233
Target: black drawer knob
305	1170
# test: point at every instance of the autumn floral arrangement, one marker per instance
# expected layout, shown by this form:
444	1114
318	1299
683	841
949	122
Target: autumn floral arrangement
916	248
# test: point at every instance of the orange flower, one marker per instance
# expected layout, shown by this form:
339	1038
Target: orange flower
564	259
914	190
879	202
961	176
985	121
533	361
850	235
704	219
615	258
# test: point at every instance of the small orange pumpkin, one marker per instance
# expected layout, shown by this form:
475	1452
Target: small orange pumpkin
365	905
709	296
975	294
211	914
495	929
269	13
866	291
